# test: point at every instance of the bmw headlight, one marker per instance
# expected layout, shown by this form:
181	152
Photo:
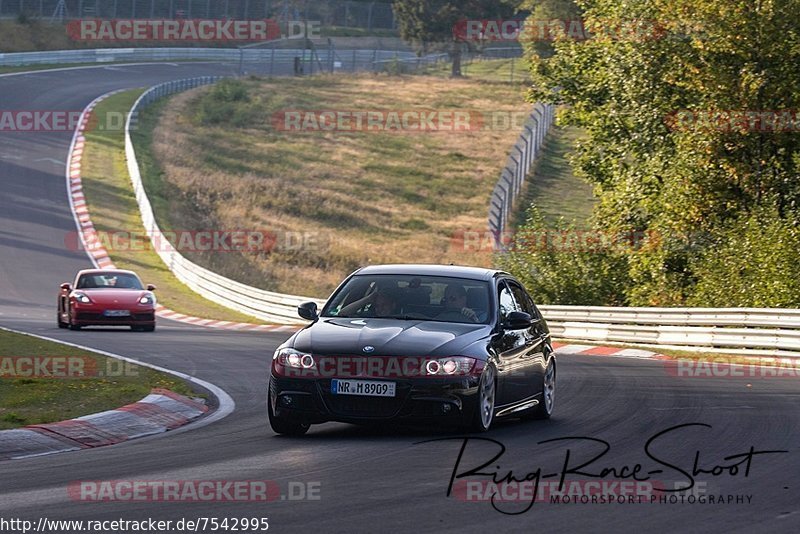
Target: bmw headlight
292	358
452	365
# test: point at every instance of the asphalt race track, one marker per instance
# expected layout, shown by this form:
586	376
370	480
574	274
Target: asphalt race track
368	479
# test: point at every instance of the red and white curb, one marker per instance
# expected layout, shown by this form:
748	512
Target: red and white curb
94	247
611	352
159	412
226	325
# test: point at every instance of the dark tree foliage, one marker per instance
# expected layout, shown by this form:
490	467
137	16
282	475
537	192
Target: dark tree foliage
433	23
691	112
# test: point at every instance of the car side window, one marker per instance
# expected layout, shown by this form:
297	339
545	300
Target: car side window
537	314
506	302
524	303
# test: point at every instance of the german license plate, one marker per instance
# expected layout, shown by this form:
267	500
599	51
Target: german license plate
367	388
117	313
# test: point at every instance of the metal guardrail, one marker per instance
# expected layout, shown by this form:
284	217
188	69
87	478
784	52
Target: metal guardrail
265	305
523	154
774	332
247	55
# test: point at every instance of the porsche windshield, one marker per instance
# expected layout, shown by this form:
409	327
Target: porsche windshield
108	281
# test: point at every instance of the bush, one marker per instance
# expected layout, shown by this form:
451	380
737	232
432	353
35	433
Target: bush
229	91
228	102
753	263
574	272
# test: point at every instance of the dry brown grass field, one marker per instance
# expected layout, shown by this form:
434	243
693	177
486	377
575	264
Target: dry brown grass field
216	161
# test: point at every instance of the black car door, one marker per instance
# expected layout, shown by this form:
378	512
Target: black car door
512	347
536	337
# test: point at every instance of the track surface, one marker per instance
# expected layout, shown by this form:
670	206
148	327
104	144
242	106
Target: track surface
370	479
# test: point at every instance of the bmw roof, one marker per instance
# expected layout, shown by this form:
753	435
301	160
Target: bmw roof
476	273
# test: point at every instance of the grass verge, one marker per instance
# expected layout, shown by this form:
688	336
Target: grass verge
353	197
32	400
553	187
112	205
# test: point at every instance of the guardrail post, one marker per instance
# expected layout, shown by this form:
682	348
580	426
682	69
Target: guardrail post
517	168
523	168
503	208
532	149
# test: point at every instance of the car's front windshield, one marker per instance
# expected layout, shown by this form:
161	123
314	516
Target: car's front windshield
412	297
108	281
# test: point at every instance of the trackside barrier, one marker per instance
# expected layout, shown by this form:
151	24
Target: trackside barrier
265	305
733	330
738	330
263	56
524	153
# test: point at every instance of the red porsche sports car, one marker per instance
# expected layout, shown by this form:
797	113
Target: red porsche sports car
108	298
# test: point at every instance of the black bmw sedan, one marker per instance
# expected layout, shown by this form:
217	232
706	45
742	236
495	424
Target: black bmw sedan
417	344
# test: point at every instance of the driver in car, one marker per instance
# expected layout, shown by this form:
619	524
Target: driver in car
455	305
383	305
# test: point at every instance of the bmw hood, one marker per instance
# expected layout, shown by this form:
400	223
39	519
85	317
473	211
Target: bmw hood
388	337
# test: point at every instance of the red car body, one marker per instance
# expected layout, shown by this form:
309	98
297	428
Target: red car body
100	297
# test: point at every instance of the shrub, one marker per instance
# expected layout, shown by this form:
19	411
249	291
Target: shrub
558	274
228	102
754	262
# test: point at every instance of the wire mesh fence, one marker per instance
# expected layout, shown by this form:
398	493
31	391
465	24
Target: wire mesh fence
331	13
524	153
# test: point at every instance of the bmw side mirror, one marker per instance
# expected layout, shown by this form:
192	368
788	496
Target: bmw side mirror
308	310
517	320
65	286
151	287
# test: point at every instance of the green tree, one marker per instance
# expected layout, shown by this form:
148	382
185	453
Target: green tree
543	15
650	63
434	23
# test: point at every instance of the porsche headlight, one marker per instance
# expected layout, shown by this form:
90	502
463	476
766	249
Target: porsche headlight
83	298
